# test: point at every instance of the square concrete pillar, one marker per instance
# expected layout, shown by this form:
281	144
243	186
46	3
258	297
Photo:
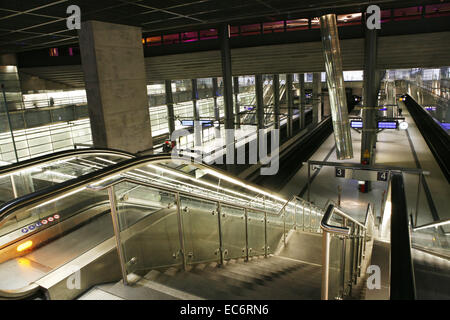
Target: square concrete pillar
116	85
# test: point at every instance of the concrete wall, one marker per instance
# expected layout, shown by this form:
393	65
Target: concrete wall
113	64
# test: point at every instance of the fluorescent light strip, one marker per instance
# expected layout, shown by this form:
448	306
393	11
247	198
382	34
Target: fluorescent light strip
222	196
59	198
435	225
59	174
239	183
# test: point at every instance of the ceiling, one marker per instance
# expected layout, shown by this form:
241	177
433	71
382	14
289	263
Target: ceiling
31	24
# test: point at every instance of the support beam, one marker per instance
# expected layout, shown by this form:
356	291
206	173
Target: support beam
196	113
301	86
317	97
259	101
169	103
276	100
237	106
216	107
290	105
370	95
224	37
116	85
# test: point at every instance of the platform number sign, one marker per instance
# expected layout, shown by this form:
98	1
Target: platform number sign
340	172
382	175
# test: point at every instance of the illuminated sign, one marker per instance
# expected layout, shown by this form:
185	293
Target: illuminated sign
190	123
356	124
387	124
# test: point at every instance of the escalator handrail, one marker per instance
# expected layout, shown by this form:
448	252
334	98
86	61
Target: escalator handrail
9	169
402	283
433	224
9	208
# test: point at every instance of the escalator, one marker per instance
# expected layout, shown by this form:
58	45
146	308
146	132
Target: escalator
154	221
38	173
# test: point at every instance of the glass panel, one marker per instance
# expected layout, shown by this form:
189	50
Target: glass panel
171	38
251	29
208	34
148	220
255	224
348	19
52	233
275	227
233	232
433	239
200	229
348	264
335	271
437	10
307	217
299	24
407	13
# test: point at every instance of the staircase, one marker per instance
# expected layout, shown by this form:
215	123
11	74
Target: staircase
291	274
271	278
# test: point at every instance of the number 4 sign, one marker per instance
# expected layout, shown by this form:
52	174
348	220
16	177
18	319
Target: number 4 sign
382	175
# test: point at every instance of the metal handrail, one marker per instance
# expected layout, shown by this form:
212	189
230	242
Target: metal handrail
57	155
111	182
434	224
345	232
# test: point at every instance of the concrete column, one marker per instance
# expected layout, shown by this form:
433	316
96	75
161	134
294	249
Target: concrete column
216	106
237	107
116	85
301	86
196	113
276	100
317	98
169	103
369	113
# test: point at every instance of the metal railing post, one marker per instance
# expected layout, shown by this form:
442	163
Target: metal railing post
303	212
246	234
116	227
284	226
265	234
343	262
219	213
180	231
325	264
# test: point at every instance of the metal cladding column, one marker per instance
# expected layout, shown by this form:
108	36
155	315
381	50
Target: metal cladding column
169	103
317	97
196	112
290	105
276	100
237	107
301	96
225	51
370	97
216	106
336	89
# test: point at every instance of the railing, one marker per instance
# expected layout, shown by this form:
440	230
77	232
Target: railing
188	229
433	238
343	250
